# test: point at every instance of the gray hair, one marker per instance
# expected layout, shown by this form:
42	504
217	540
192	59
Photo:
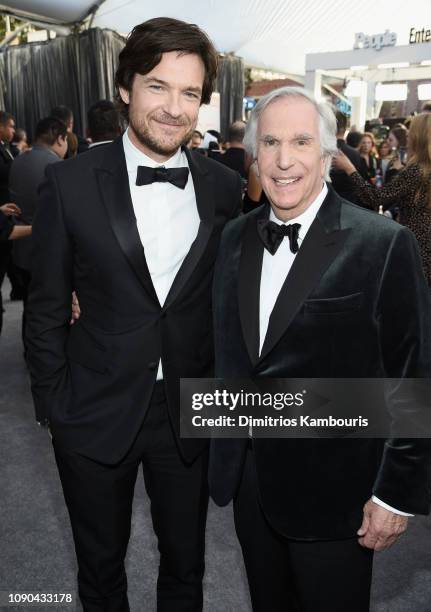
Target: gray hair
327	122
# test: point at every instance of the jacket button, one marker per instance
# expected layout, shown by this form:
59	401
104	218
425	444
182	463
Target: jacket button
152	365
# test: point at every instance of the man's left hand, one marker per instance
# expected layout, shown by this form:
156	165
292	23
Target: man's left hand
380	527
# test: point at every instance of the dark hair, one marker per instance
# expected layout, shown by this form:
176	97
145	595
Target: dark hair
215	134
103	121
236	131
63	113
49	129
5	117
20	134
341	121
353	139
426	107
197	133
213	146
148	41
400	133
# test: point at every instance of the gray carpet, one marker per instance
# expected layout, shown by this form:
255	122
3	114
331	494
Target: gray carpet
36	549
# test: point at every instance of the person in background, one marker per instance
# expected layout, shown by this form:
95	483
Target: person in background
196	140
254	195
397	139
339	180
27	173
385	156
426	107
10	231
7	154
368	152
410	188
235	156
103	120
20	141
76	143
353	139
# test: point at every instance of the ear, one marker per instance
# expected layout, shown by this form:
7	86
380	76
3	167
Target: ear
124	94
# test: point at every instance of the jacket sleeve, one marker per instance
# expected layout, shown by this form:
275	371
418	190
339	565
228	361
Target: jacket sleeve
404	315
49	302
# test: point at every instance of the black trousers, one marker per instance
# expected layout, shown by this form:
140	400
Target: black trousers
287	575
99	499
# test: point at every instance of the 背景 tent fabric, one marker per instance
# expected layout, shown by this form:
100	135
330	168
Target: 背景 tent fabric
76	71
269	33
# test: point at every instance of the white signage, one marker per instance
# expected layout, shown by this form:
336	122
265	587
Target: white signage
375	41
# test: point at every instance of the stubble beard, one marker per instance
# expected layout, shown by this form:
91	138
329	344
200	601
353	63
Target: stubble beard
148	140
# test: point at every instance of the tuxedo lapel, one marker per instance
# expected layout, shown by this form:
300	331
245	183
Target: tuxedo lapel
322	244
204	191
113	182
250	268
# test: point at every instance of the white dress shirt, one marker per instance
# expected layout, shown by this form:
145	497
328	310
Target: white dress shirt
275	269
167	219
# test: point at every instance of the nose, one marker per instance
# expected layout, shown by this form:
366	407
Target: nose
285	156
173	104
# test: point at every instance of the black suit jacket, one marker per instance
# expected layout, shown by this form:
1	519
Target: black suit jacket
355	304
340	181
94	380
5	165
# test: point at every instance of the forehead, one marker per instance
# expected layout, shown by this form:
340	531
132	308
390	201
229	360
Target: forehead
176	67
289	116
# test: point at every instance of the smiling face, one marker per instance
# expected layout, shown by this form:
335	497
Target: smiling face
289	160
164	104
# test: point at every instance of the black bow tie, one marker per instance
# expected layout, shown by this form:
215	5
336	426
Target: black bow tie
272	235
176	176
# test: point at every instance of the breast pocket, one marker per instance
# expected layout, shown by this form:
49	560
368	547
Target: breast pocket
335	305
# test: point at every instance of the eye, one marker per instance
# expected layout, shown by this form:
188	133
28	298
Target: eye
193	95
156	87
269	142
302	142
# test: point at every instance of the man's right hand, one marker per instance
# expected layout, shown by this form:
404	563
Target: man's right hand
76	311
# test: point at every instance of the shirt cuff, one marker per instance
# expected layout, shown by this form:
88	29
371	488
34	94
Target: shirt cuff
378	501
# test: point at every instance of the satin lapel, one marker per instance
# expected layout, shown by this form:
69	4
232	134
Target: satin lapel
203	183
322	244
250	268
114	186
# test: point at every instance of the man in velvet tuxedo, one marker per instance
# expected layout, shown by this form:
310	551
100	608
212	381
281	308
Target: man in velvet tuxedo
133	227
312	286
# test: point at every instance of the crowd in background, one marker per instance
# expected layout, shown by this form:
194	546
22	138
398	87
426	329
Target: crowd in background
387	170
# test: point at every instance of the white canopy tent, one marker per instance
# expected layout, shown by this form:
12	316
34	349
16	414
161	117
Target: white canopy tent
273	34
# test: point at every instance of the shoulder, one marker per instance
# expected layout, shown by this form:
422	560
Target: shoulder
370	223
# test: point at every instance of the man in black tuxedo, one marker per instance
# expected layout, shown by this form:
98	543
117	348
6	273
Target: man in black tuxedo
340	181
338	292
134	228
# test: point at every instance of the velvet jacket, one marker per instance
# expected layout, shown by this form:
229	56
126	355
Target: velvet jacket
354	305
93	380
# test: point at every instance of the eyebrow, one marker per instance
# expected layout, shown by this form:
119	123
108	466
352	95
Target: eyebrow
304	136
161	82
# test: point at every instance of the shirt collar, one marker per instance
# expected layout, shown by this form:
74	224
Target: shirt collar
135	157
306	218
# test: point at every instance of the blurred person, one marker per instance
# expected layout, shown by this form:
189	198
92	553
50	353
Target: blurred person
77	144
340	182
368	152
7	155
397	139
353	139
20	141
311	285
103	121
235	156
254	195
426	107
27	173
133	227
385	156
409	189
195	140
